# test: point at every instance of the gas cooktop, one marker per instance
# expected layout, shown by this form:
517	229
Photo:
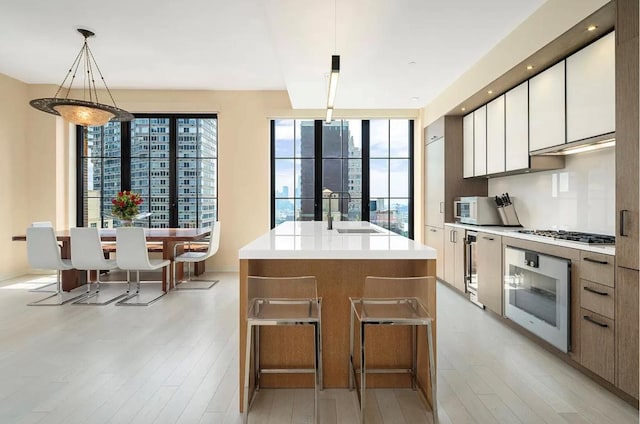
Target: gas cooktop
587	238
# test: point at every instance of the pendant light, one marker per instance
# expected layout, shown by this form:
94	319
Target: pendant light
335	72
88	111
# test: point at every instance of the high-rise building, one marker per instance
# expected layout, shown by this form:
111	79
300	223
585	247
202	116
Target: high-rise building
341	168
196	171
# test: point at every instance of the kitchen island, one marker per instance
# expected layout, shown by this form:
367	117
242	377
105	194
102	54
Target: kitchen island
340	259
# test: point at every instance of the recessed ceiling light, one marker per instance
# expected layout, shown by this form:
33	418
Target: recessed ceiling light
415	99
592	27
412	62
529	67
463	109
490	92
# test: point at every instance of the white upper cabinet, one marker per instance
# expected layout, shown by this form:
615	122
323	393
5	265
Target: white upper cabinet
547	108
517	128
480	141
495	136
591	90
467	146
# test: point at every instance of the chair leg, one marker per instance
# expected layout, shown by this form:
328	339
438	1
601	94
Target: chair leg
58	293
320	365
256	356
247	371
351	366
432	374
414	356
317	374
124	302
363	373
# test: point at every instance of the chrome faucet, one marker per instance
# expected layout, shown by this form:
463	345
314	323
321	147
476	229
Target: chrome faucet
341	195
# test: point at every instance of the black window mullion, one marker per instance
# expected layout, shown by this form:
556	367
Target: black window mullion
80	169
173	163
411	179
273	172
366	195
125	155
317	140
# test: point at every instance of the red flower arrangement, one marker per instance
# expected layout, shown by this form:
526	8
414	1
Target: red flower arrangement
125	205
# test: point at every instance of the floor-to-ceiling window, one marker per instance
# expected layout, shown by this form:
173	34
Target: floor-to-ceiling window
171	160
364	166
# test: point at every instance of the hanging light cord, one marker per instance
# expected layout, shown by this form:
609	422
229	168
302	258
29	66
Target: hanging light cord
89	79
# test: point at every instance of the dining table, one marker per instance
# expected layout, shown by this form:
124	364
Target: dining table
169	237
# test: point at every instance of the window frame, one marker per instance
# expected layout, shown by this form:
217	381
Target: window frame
318	157
126	159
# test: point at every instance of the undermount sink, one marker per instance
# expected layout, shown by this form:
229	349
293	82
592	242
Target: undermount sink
356	230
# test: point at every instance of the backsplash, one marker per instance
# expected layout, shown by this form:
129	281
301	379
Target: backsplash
580	197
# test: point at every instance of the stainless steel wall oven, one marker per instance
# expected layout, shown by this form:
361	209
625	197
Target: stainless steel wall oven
537	294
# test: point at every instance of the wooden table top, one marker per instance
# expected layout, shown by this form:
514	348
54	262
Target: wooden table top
153	234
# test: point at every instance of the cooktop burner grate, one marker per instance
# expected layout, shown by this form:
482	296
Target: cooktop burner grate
588	238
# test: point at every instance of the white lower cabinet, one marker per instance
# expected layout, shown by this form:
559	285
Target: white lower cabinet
454	257
434	237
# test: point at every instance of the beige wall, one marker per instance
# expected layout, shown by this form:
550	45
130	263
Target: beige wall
551	20
14	174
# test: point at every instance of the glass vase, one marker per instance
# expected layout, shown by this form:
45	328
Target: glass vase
126	222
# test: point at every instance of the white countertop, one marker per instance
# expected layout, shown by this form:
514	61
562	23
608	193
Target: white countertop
512	232
312	240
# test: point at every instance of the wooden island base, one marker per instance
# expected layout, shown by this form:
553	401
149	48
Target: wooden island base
337	279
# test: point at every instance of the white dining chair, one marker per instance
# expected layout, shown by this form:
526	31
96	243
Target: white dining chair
190	257
87	255
43	252
132	255
46	288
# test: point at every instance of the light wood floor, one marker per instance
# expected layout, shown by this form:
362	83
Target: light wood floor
176	361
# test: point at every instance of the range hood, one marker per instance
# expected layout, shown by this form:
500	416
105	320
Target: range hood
588	144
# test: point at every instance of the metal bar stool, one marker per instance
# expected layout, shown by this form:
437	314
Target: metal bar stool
281	301
392	301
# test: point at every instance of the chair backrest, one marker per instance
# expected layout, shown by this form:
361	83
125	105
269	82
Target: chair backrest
396	288
214	241
131	248
282	289
42	248
86	249
42	224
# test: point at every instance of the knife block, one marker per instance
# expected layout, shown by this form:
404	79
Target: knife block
508	216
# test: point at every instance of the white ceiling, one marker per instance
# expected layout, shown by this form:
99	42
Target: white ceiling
263	44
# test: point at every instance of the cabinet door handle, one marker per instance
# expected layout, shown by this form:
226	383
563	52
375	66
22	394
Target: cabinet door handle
589	289
441	207
596	322
432	230
623	214
488	238
596	261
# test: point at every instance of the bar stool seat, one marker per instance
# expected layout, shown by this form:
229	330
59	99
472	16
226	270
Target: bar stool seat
391	301
281	301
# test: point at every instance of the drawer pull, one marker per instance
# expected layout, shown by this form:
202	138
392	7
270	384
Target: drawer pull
623	214
596	322
589	289
432	230
488	238
596	261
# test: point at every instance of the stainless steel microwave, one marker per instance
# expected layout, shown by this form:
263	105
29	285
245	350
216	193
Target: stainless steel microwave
476	210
